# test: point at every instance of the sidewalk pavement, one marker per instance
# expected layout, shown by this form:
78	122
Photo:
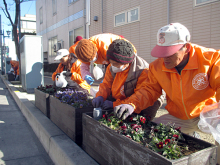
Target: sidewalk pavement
19	144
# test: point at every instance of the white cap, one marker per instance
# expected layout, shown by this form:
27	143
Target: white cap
61	53
170	39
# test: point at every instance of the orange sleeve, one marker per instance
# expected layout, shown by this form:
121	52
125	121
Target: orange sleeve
146	93
72	48
58	70
106	86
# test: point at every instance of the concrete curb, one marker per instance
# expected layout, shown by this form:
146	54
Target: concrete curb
61	149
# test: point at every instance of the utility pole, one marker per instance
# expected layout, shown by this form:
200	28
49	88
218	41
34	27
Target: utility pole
1	45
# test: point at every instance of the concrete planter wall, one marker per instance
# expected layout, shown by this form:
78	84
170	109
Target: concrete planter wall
106	146
68	118
42	102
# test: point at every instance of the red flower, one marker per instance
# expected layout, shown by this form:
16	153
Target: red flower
176	136
132	125
178	129
109	120
130	119
155	130
160	145
128	136
104	116
143	120
167	141
123	127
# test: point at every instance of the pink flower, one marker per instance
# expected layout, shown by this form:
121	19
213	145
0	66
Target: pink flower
142	120
167	141
160	145
109	120
123	127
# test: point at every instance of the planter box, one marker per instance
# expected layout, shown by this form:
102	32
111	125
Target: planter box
106	146
42	102
68	118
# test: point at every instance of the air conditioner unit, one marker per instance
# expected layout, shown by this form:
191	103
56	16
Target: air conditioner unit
57	47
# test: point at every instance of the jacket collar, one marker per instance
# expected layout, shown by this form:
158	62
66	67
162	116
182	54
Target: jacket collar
192	63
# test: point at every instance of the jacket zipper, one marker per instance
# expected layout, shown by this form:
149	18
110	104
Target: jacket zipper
182	97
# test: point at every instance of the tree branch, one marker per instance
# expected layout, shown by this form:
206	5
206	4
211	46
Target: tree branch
6	8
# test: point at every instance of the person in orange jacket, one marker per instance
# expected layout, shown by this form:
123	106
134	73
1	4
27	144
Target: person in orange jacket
94	50
124	76
15	66
72	48
188	73
70	64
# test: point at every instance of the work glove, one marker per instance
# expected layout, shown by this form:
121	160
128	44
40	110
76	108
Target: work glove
123	111
98	101
89	79
107	105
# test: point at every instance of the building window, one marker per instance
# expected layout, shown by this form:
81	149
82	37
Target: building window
54	4
71	1
74	33
128	16
202	2
52	42
41	15
120	19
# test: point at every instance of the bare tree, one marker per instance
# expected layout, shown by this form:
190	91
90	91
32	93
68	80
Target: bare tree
15	23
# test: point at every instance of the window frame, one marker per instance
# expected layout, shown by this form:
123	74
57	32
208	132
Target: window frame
204	3
73	1
74	37
41	14
54	7
126	16
51	46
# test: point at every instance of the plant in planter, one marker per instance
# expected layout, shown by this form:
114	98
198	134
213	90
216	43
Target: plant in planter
166	140
50	89
77	99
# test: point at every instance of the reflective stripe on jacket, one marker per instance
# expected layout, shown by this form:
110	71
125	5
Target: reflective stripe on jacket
187	94
123	85
76	74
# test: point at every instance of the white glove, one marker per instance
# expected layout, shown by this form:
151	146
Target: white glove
123	110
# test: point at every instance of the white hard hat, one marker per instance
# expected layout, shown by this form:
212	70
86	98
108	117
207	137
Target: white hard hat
61	53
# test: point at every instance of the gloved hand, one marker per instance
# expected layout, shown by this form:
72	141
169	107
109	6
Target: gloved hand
123	110
67	73
89	79
107	104
98	101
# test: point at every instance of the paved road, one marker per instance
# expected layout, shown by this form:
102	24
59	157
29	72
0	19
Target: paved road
18	142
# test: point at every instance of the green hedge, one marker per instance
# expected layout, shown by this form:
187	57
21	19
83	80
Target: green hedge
50	67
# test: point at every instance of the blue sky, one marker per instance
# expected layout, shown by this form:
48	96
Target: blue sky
26	8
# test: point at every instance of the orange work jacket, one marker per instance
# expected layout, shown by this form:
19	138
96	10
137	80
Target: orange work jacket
187	93
15	66
115	86
76	74
72	48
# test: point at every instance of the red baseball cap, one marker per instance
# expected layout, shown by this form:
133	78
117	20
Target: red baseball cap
170	39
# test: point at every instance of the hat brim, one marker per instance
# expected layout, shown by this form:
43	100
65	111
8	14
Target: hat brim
58	57
165	51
